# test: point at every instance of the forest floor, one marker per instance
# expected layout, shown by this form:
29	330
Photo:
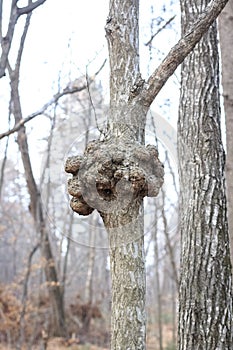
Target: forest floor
52	345
61	344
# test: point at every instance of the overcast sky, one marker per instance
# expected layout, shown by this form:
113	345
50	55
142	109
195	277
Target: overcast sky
67	35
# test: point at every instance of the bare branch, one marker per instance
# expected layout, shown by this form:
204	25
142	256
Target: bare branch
159	30
14	16
56	97
178	53
29	8
22	41
7	40
91	101
3	166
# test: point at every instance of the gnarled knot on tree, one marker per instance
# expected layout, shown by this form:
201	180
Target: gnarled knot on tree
111	175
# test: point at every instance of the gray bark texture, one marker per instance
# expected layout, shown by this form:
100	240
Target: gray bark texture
116	173
205	309
226	42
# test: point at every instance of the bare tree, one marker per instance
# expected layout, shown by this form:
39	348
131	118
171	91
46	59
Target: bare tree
205	310
6	40
35	200
36	208
116	172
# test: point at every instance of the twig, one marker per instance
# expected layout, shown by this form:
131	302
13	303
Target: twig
178	53
29	8
7	40
5	154
22	41
67	90
91	101
3	167
159	30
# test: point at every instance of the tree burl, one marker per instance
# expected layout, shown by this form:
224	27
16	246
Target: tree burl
112	175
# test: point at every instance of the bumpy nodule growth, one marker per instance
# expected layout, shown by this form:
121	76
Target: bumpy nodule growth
111	175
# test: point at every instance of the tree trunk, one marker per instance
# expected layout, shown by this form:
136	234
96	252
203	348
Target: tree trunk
205	310
116	173
128	280
157	283
226	42
36	209
91	262
125	225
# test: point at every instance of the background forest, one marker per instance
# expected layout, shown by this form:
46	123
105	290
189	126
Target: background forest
53	100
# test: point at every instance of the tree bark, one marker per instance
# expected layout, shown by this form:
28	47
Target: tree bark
116	172
205	310
125	227
128	281
226	42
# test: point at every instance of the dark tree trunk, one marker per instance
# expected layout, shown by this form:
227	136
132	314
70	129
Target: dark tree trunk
205	310
36	209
